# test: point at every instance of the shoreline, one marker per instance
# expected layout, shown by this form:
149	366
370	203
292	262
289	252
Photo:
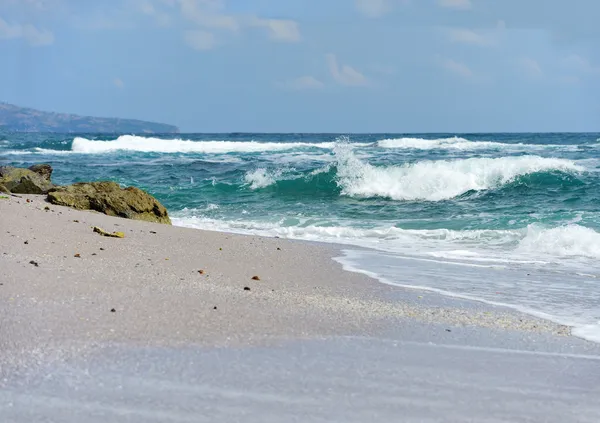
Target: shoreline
364	296
126	329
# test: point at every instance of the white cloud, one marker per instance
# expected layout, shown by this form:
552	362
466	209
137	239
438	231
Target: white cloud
199	40
467	36
581	64
279	29
148	8
34	36
456	4
118	82
457	68
302	83
531	67
212	15
345	74
373	8
208	14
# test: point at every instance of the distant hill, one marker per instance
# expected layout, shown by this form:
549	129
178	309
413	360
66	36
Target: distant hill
22	119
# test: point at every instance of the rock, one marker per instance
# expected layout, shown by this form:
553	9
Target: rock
44	170
104	233
24	181
109	198
255	278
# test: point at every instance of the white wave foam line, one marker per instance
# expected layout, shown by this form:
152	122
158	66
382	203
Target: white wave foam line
565	241
157	145
436	180
458	143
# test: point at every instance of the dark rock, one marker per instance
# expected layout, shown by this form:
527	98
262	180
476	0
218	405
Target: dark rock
23	181
109	198
112	310
35	263
246	288
44	170
255	278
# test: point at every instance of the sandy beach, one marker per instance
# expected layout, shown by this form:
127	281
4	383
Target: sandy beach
174	324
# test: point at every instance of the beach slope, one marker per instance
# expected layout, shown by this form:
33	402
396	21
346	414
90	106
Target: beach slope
175	324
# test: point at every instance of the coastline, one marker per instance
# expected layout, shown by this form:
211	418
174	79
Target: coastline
293	275
181	344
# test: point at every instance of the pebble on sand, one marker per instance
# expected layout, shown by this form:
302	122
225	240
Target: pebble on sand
35	263
255	278
246	288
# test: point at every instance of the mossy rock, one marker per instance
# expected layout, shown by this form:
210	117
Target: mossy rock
24	181
109	198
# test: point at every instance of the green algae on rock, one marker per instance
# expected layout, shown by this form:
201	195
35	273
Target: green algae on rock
109	198
26	181
108	234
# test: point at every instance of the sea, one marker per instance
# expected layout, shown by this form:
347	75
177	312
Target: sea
505	218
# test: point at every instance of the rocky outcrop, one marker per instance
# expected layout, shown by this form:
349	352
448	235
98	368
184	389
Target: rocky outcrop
44	170
26	181
109	198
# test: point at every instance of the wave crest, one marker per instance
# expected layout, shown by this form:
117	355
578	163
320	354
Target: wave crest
158	145
437	180
458	143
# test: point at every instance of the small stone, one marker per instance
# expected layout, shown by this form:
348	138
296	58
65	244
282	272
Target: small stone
215	307
201	272
246	288
77	255
255	278
448	330
75	221
26	242
220	249
112	310
46	208
94	254
278	249
28	200
35	263
152	232
101	249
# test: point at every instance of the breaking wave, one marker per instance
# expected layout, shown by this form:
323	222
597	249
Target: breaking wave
437	180
157	145
458	143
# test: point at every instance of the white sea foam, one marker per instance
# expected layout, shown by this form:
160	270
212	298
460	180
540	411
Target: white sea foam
458	143
262	178
148	145
564	241
437	180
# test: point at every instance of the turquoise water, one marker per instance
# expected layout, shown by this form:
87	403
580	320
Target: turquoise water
505	218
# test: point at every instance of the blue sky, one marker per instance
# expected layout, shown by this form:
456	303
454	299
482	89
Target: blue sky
309	65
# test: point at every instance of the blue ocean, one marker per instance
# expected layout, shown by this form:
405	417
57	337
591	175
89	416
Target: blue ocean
511	219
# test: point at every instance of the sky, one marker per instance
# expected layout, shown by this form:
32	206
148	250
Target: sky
341	66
